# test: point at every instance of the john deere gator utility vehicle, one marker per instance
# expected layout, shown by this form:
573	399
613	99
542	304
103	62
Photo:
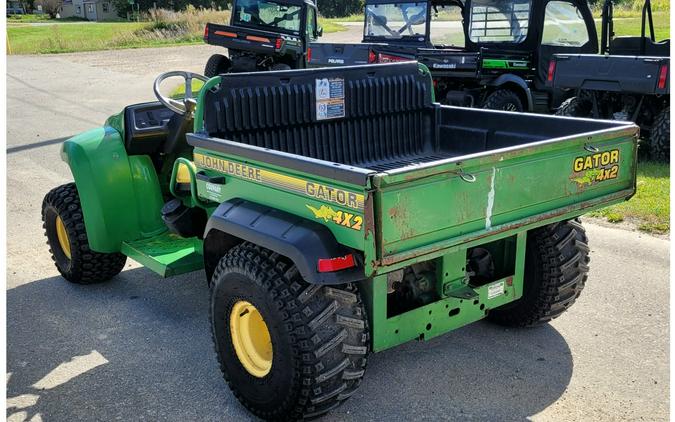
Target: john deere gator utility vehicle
338	212
263	35
481	53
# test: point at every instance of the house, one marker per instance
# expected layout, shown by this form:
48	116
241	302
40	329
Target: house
15	8
93	10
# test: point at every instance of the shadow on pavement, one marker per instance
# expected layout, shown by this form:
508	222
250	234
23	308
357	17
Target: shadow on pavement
139	348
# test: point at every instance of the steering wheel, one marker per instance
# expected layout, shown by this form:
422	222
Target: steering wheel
182	107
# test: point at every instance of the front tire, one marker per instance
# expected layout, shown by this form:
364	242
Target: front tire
505	100
63	222
312	356
659	139
556	269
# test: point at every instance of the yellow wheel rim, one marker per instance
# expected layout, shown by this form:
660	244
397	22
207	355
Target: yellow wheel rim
251	339
62	234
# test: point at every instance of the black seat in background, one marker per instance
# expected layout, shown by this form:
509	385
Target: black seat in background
388	113
632	46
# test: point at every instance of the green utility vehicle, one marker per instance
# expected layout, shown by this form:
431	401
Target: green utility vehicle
338	212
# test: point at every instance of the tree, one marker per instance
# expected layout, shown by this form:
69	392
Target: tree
339	8
51	7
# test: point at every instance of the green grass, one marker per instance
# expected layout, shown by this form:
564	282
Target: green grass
67	38
329	26
649	209
632	25
30	18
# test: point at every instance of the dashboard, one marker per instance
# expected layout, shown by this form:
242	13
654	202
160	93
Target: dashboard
146	127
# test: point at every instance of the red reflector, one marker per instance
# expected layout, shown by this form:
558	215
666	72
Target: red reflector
663	76
551	71
278	43
388	58
372	58
206	31
309	54
327	265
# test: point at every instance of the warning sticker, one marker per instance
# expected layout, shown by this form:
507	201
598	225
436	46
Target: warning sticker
330	98
495	290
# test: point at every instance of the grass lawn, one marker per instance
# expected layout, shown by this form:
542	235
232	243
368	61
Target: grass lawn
67	38
649	209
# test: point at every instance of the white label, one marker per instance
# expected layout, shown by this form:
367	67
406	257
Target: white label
495	290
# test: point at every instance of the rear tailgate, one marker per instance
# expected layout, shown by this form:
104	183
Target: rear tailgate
449	63
433	206
263	42
337	54
611	73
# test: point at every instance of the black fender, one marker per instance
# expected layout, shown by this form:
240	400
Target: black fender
509	78
301	240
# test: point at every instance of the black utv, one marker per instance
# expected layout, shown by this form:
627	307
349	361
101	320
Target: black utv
481	53
629	81
263	35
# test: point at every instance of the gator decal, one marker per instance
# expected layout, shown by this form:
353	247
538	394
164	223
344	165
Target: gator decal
342	218
319	191
597	167
505	64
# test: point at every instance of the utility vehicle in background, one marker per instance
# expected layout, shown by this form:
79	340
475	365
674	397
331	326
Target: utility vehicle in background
481	53
263	35
337	212
630	81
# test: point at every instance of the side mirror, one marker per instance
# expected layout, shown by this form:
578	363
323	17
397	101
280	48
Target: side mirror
319	31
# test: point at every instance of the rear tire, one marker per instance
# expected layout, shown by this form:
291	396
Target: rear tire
318	334
574	107
556	269
505	100
63	222
659	140
281	66
217	65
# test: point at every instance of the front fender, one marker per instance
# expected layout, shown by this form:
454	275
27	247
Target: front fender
120	194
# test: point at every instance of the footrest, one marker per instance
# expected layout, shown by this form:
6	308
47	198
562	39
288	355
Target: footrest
166	254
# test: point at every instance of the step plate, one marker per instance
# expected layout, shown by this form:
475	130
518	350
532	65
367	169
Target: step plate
166	254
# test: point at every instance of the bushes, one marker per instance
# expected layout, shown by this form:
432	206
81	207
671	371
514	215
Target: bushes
339	8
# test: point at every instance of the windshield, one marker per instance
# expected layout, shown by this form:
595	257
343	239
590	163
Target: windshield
446	28
267	15
499	21
396	20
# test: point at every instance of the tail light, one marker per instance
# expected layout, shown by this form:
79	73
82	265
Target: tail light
388	58
309	54
206	31
327	265
372	58
278	43
551	71
663	76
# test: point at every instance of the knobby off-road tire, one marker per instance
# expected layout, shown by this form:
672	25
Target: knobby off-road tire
76	262
556	268
574	107
281	66
319	335
659	140
504	99
217	65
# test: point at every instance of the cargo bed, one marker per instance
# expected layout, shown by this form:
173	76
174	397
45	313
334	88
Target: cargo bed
431	176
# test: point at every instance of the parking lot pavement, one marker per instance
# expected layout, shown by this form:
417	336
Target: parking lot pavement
139	348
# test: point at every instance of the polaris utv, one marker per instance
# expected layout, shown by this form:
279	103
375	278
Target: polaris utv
629	81
263	35
481	53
